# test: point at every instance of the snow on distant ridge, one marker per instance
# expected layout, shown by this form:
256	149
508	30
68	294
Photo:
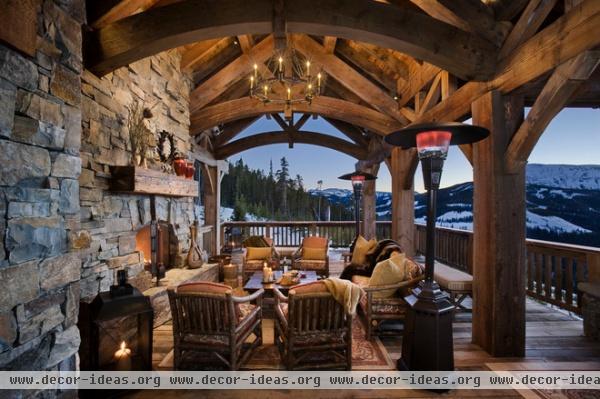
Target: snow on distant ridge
553	224
463	221
578	177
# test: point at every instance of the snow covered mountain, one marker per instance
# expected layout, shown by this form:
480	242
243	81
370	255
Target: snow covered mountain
563	204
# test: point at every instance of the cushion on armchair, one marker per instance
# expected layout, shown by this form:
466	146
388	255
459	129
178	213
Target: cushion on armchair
390	271
361	249
258	253
257	241
309	253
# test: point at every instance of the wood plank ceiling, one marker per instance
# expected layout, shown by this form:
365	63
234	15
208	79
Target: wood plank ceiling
369	90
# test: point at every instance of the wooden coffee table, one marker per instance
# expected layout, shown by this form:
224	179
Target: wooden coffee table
255	283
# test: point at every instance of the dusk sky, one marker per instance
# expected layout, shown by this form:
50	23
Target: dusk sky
573	138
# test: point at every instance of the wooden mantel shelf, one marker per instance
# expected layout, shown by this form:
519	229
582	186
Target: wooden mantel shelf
138	180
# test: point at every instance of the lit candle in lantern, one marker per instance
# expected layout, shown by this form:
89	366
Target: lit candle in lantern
266	89
123	358
309	89
280	64
251	82
289	94
319	81
255	71
266	271
308	68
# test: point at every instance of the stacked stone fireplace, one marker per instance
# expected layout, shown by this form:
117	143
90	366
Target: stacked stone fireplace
63	232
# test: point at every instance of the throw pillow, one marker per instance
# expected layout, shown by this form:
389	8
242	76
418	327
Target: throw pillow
256	241
258	253
389	271
361	249
314	253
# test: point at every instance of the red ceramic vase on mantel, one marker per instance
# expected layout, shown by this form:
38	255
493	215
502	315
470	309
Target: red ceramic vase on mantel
180	166
189	172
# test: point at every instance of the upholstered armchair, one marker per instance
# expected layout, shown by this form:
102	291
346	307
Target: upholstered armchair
208	318
386	301
313	254
254	257
312	329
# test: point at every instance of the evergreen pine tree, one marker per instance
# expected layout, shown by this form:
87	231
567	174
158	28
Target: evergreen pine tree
283	176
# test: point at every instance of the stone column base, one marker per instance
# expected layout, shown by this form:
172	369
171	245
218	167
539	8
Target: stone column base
591	316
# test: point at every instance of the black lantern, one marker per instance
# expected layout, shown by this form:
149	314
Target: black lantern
116	332
358	179
427	343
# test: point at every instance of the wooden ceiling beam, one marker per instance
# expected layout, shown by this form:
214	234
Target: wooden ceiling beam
557	92
329	43
506	10
370	63
296	136
237	70
479	18
468	15
573	33
246	43
529	22
101	13
352	132
399	28
420	76
433	95
246	107
200	53
439	11
231	130
348	77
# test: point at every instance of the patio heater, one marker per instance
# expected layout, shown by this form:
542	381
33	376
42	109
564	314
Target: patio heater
358	179
427	343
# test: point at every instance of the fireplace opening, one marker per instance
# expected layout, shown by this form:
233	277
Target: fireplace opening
168	249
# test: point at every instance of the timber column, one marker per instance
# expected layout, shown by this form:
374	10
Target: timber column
499	231
402	165
369	199
212	205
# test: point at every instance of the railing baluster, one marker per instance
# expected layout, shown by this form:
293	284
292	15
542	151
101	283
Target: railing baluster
569	283
548	277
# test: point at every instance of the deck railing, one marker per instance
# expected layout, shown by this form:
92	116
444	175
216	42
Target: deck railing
553	269
290	234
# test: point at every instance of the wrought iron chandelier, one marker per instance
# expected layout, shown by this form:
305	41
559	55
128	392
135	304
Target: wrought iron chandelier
287	79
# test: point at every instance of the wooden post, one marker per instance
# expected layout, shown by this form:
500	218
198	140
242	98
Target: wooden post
212	205
369	215
402	168
593	263
499	231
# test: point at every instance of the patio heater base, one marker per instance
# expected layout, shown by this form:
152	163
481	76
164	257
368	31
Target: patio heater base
427	343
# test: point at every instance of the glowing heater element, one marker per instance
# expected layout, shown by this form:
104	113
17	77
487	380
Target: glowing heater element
433	143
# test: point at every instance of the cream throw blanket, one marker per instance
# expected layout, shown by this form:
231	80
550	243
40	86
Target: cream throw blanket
345	292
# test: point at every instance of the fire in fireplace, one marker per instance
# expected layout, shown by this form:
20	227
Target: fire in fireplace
168	248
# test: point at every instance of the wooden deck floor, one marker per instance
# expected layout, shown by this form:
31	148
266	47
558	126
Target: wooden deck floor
554	341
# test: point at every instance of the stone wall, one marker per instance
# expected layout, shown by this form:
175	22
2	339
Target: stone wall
40	130
112	219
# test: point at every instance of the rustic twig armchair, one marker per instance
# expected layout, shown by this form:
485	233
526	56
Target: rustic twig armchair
208	318
312	329
254	257
377	309
313	254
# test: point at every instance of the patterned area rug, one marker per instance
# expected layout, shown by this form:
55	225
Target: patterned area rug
366	355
